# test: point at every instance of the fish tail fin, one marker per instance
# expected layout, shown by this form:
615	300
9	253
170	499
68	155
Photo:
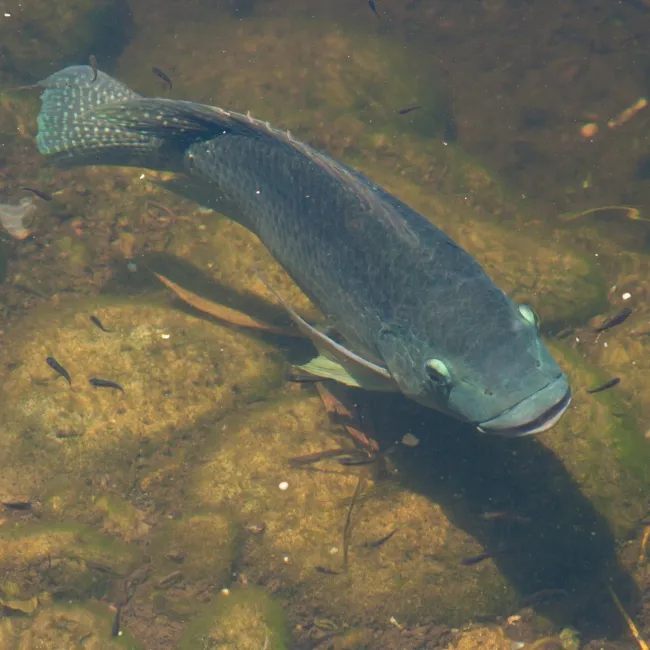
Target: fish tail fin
76	125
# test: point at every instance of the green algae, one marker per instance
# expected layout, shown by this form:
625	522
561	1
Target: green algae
606	454
245	619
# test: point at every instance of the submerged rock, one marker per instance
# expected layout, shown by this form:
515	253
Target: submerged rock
62	626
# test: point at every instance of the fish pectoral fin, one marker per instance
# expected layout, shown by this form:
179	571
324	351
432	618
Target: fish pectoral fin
353	365
326	368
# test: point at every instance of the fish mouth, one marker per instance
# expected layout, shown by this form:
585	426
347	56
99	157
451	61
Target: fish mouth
524	418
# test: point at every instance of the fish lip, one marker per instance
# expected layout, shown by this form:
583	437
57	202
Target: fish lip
541	423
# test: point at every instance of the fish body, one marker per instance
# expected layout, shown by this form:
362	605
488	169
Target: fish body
613	321
58	368
412	309
105	383
95	321
159	73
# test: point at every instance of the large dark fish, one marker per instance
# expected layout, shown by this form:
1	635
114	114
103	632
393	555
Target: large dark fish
414	312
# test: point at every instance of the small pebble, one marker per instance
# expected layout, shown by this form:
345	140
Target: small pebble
410	440
589	130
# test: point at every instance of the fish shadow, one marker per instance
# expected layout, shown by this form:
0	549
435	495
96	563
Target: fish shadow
561	541
564	544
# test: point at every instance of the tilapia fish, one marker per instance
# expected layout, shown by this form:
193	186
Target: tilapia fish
411	310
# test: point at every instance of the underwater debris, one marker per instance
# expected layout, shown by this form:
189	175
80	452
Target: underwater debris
628	113
630	212
12	217
589	130
630	623
223	313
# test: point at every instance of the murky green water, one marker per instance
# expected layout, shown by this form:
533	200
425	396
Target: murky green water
169	516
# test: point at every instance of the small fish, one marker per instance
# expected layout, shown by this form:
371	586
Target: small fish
17	505
92	62
105	383
621	317
491	516
329	572
404	111
476	559
39	193
158	72
608	384
96	321
382	540
57	367
371	4
543	595
115	630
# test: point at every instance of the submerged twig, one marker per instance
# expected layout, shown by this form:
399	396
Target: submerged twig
347	530
630	623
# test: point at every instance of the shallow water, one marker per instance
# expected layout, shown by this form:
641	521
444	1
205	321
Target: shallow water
174	505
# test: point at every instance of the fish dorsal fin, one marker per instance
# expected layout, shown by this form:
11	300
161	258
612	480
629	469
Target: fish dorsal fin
184	122
328	346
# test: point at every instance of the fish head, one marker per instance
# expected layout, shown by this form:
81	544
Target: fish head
497	374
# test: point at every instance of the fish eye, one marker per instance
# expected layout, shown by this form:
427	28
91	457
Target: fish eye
438	372
529	314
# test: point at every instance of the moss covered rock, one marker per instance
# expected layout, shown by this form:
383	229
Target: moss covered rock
245	619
